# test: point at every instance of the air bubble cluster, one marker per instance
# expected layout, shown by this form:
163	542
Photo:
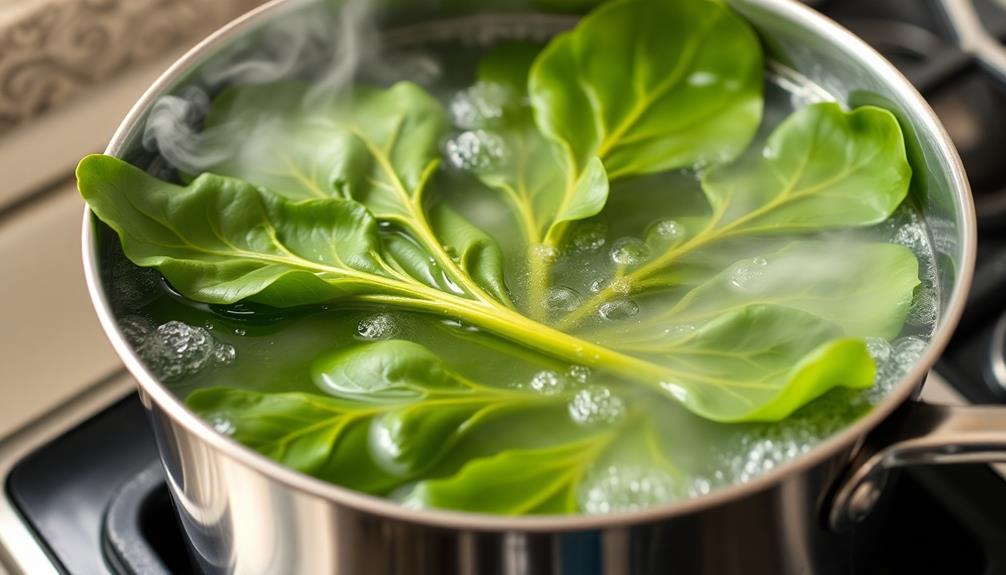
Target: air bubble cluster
379	326
479	106
475	151
625	488
596	404
548	383
590	238
175	350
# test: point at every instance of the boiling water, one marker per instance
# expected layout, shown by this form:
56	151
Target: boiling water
193	346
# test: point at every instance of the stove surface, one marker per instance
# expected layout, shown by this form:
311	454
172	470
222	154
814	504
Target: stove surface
83	492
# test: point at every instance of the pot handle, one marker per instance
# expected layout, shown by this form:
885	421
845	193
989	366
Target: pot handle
918	433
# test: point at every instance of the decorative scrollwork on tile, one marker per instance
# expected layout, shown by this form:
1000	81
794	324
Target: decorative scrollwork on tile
57	50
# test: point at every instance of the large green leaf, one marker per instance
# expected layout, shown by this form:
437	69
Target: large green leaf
650	86
867	292
407	406
821	168
762	363
221	240
517	482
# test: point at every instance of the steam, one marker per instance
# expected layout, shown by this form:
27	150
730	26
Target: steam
325	49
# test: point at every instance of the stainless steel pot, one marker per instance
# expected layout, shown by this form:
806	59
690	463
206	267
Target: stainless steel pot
246	514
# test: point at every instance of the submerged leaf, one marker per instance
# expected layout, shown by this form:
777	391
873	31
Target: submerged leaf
518	482
316	435
762	363
867	291
387	370
477	254
651	86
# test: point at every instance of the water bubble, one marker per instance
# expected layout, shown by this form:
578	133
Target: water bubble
224	354
578	373
222	425
907	351
597	286
925	308
700	486
629	252
667	231
625	488
380	326
562	299
175	350
240	331
596	404
879	349
135	329
548	383
479	106
618	309
745	275
475	150
590	237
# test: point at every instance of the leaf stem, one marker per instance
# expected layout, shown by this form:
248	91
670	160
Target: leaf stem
516	327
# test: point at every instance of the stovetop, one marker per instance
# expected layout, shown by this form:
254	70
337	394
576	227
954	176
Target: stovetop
84	493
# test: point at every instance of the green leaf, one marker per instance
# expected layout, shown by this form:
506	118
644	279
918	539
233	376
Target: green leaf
867	291
821	168
309	433
391	370
376	146
761	363
403	405
651	86
517	482
221	240
478	255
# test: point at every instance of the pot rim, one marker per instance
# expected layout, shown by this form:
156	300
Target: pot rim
152	389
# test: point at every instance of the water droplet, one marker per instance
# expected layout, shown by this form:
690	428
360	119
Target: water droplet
479	106
596	404
590	237
548	383
476	150
562	299
578	373
618	309
380	326
625	488
629	252
745	275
